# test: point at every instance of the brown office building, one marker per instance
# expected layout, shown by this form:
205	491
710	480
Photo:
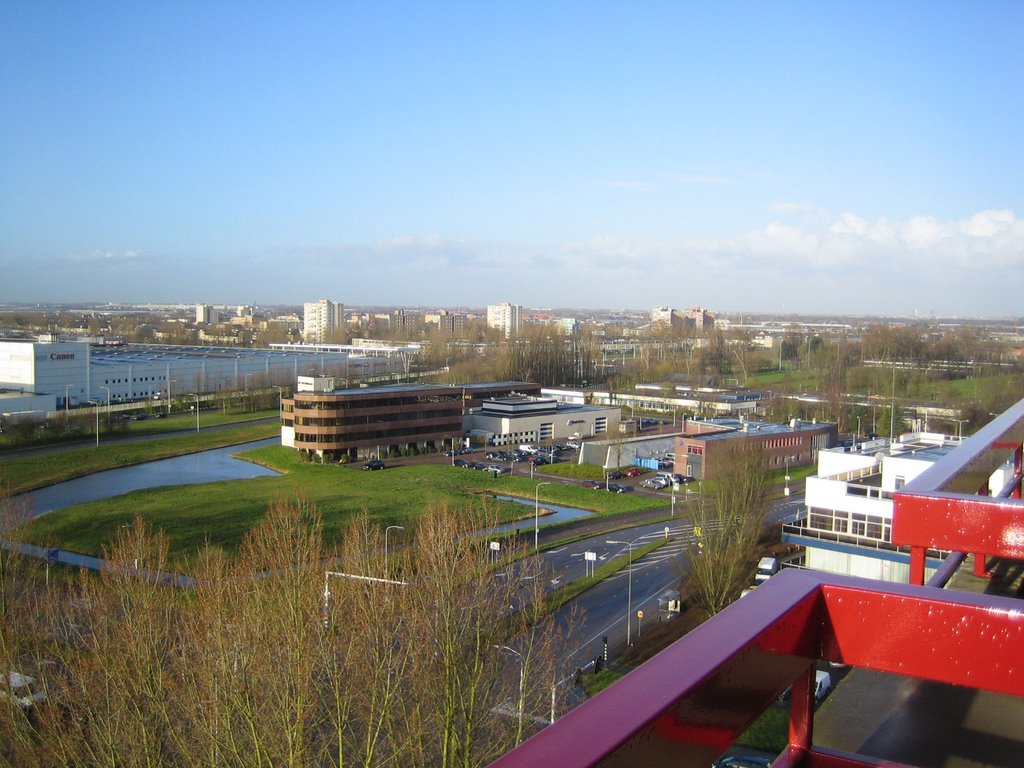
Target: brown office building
386	421
784	445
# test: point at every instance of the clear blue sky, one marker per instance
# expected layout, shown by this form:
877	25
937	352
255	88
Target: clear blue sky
764	156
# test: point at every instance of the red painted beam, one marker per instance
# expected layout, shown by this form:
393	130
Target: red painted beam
690	702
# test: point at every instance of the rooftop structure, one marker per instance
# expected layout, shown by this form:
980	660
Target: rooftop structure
846	526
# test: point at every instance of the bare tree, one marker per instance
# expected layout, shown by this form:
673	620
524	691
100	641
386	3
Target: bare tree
729	517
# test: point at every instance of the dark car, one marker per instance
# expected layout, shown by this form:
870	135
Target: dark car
375	464
616	475
742	761
616	488
460	463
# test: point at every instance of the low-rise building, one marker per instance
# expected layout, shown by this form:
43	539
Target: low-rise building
704	441
516	420
377	421
846	526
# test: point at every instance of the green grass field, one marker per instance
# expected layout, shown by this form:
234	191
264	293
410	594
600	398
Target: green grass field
222	512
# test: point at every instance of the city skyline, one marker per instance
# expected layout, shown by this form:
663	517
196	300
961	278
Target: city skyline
790	158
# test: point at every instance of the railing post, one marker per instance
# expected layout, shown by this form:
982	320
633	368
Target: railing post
917	565
801	716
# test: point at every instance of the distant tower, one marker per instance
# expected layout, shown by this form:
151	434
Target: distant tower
206	314
507	317
320	320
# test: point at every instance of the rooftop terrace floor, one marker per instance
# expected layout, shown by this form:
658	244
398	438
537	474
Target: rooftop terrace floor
923	723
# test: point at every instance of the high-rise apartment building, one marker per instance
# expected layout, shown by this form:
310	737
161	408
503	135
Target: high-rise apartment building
206	314
320	320
507	317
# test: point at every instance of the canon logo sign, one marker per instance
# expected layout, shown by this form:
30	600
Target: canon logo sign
62	355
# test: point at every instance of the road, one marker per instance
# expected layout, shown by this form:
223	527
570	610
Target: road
602	610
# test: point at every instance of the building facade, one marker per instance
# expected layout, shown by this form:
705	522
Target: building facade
508	318
517	420
846	525
349	424
321	320
701	451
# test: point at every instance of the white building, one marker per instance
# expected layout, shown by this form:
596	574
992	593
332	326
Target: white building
846	526
506	317
320	320
207	314
73	372
517	420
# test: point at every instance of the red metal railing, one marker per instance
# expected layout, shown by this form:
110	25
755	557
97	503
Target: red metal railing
949	506
692	701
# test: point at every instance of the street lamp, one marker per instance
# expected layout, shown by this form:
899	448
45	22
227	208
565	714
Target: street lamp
169	382
280	397
522	670
66	400
386	530
96	410
536	516
785	492
629	585
192	394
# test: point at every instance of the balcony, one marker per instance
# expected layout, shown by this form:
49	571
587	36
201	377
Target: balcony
687	705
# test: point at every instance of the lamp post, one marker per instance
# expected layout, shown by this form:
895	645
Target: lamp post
785	491
386	531
519	707
629	585
192	394
67	399
108	405
169	382
96	409
280	397
536	516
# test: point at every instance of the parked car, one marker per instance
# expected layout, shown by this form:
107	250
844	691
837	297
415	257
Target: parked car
616	488
21	690
374	464
616	475
592	484
742	761
460	463
634	471
656	483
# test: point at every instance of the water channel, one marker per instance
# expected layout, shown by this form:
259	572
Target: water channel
557	514
204	467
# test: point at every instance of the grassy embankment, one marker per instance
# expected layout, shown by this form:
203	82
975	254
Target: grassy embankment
222	512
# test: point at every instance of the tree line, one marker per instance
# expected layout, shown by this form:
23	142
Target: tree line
418	656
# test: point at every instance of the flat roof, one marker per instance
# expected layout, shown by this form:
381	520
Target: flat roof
735	427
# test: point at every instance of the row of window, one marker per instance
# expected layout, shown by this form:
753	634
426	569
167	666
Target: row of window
852	523
135	379
782	442
382	436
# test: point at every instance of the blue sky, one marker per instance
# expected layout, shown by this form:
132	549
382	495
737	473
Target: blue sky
799	157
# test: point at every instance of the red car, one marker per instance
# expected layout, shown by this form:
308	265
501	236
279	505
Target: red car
592	484
634	471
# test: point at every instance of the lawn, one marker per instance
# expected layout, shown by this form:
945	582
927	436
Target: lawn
25	474
222	512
